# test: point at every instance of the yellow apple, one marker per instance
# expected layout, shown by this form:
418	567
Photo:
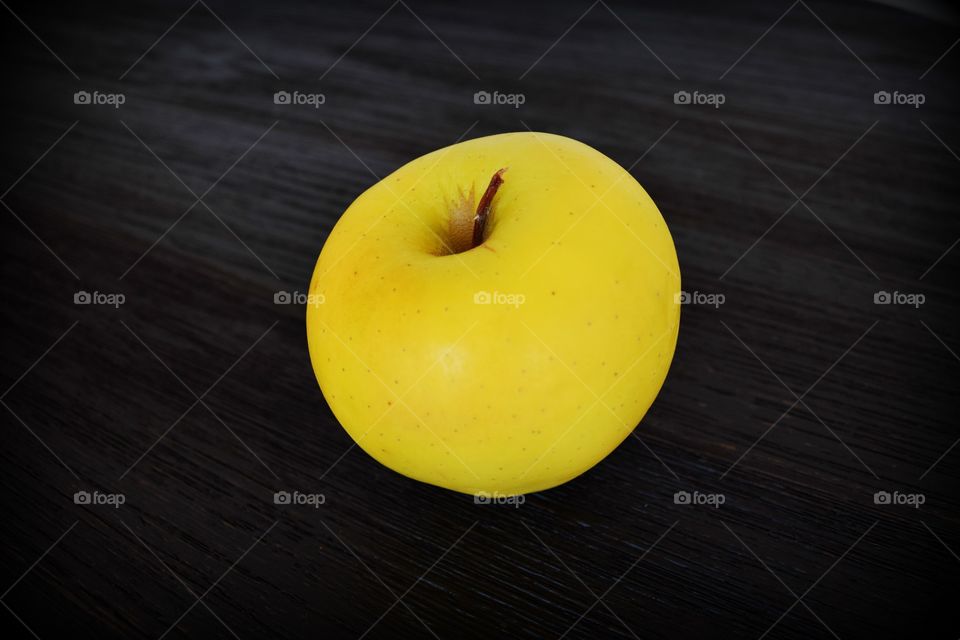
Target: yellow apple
514	365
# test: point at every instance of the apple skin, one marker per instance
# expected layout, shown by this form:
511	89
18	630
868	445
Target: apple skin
499	398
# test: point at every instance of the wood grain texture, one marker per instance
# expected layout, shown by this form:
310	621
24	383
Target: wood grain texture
196	400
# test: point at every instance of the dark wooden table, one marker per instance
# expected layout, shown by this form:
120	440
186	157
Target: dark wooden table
197	199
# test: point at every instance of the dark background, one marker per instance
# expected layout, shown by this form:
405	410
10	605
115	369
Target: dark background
98	398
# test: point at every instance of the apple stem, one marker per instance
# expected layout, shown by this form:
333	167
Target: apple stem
485	207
